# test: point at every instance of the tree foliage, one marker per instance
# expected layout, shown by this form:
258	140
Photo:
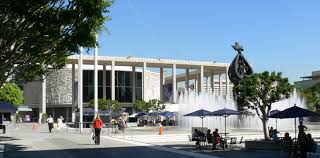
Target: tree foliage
37	36
11	93
259	91
151	105
312	96
103	104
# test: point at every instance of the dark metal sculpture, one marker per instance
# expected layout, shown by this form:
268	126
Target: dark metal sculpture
239	67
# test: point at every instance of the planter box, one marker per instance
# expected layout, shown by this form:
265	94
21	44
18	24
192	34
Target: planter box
262	145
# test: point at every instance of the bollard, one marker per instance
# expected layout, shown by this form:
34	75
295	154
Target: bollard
34	127
160	130
4	129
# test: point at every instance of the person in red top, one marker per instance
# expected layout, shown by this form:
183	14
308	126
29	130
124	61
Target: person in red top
97	125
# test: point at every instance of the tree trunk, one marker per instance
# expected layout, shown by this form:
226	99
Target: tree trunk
265	130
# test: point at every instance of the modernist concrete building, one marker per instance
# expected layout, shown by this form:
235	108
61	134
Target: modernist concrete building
125	79
308	81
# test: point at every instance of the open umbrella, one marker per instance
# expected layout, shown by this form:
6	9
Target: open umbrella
7	107
167	114
272	112
225	113
200	113
294	112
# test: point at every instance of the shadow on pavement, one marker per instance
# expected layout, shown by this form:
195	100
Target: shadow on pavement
5	138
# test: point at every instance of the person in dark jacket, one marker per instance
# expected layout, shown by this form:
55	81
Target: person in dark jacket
97	125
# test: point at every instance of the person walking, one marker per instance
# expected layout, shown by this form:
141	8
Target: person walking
97	125
50	123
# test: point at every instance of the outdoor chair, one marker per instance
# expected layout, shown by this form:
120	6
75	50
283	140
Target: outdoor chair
233	140
241	140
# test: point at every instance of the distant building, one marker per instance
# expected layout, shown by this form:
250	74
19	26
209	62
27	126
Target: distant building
308	81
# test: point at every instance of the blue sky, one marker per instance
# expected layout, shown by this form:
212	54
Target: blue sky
276	35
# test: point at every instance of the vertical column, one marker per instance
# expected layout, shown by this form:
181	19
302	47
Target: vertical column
95	82
201	79
73	108
133	76
187	81
80	106
144	69
207	85
196	85
174	84
161	84
113	79
43	99
104	82
220	85
212	83
227	84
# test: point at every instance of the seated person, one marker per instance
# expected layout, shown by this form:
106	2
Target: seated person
310	145
275	136
216	139
287	143
271	132
197	137
209	136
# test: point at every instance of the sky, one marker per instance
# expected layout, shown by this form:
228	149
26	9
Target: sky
280	36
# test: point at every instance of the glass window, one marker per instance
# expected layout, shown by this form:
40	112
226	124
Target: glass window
90	93
120	78
127	79
138	93
108	81
85	94
139	79
100	78
85	78
108	92
100	92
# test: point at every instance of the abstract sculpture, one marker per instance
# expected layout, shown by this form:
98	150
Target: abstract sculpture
239	67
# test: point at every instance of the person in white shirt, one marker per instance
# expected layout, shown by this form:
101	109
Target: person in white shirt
50	123
60	123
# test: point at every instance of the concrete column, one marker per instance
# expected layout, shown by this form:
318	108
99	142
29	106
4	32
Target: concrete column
43	98
212	83
201	79
73	109
133	76
196	85
187	84
207	85
104	82
144	69
80	96
95	82
174	84
161	83
220	85
227	84
113	81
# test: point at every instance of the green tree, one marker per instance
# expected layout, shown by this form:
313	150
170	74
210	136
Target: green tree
103	104
139	106
11	93
312	96
38	36
153	104
259	91
156	105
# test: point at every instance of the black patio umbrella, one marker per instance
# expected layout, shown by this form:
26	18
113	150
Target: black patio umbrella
272	112
294	112
200	113
225	113
7	107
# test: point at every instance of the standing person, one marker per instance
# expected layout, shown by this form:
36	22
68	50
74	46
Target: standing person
302	128
60	123
97	125
50	123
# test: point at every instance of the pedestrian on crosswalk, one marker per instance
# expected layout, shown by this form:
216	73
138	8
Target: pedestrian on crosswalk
97	125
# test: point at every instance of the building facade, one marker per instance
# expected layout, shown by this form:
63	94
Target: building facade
308	81
124	79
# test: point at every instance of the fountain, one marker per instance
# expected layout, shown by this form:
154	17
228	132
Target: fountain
191	102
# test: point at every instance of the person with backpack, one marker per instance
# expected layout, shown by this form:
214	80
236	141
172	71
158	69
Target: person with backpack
97	125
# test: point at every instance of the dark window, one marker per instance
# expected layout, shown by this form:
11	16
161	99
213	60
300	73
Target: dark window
138	93
138	79
100	92
85	77
90	78
108	92
108	80
100	78
127	79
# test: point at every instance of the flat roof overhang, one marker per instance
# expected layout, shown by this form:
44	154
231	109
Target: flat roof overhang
217	68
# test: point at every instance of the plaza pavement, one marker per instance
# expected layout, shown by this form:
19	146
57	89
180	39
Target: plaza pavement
25	141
